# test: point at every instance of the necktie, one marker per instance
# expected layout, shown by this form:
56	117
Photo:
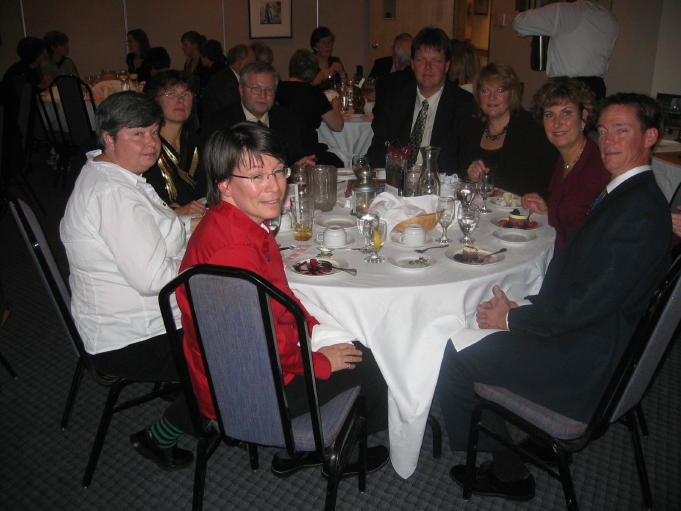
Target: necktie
417	132
599	199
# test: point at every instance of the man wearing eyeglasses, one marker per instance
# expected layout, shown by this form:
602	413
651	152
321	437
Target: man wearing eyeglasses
258	87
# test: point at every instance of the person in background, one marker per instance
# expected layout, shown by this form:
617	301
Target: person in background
583	35
560	347
262	52
504	139
136	60
158	60
246	188
442	107
310	105
222	89
177	175
123	244
191	48
58	49
399	60
465	65
564	106
330	68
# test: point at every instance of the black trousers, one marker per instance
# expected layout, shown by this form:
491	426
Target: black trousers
367	374
595	83
149	360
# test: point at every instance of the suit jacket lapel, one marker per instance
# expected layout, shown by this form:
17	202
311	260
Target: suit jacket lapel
442	117
407	114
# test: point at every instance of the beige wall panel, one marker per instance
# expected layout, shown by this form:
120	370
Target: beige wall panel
10	32
667	77
349	21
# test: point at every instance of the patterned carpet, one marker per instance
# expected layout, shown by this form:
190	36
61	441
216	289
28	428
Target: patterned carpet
41	466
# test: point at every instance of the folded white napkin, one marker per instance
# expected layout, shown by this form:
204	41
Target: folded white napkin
328	331
395	209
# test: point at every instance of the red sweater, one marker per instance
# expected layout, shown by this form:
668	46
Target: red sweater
227	237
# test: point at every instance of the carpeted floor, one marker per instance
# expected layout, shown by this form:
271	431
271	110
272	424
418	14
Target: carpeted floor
41	466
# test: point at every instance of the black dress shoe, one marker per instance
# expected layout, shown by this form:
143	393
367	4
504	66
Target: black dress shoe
542	451
487	484
284	466
377	457
169	459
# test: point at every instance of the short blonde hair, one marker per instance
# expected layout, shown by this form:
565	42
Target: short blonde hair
504	76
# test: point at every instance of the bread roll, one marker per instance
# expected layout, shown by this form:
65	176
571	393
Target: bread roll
428	221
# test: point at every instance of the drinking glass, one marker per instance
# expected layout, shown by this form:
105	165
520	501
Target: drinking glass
364	223
274	224
468	221
465	191
445	208
485	187
375	232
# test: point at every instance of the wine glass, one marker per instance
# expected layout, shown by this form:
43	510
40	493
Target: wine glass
468	221
375	231
485	187
465	191
445	208
274	224
364	223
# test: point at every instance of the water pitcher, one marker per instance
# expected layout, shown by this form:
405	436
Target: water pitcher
429	183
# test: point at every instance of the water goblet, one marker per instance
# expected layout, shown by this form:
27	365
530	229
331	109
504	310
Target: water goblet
376	230
274	224
465	191
364	223
485	187
445	208
468	221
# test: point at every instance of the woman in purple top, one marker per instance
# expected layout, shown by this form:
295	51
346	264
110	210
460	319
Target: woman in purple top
564	105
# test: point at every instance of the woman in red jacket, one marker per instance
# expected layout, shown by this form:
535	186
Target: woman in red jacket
246	187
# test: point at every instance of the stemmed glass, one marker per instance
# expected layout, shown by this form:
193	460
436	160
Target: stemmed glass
274	224
485	187
445	208
364	222
465	191
468	221
375	232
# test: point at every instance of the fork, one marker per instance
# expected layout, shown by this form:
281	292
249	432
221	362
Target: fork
422	250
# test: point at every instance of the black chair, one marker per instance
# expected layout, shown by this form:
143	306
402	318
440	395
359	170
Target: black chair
620	401
41	254
231	310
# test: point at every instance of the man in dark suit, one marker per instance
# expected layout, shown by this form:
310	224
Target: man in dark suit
257	91
425	110
560	348
222	89
400	59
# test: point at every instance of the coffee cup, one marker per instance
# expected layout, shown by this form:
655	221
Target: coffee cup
333	236
413	235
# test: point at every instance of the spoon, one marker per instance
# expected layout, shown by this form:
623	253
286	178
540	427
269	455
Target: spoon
488	257
422	250
290	247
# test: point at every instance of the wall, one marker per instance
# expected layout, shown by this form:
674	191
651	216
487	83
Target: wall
667	75
634	59
97	32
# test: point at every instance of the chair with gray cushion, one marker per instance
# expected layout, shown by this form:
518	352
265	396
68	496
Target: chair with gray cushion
235	331
620	402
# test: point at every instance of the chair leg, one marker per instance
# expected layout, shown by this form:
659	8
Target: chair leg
253	456
641	419
640	461
332	483
437	436
73	392
107	413
362	477
566	480
200	474
5	363
472	453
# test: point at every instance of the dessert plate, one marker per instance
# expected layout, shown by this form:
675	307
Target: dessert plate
411	262
317	266
483	259
504	222
514	235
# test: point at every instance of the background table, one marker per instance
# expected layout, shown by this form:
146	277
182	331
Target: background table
354	139
666	166
407	316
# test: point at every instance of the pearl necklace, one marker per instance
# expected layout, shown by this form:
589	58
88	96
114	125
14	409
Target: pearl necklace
568	166
493	138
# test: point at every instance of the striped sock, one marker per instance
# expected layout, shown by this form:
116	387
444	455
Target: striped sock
165	434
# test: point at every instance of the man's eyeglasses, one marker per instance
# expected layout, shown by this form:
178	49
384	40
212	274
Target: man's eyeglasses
257	90
177	95
263	178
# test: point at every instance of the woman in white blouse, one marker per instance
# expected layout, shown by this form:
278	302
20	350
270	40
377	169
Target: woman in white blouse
123	244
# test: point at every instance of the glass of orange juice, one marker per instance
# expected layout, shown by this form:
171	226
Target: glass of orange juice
375	234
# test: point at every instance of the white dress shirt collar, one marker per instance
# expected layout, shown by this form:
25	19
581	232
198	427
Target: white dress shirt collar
265	119
623	177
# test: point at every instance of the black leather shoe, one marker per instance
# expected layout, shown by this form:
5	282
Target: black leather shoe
487	484
377	457
542	451
169	459
283	466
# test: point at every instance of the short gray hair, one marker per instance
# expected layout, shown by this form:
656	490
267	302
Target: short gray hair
303	65
258	67
125	110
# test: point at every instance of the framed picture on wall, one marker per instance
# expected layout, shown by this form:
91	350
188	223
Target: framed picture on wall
481	7
269	19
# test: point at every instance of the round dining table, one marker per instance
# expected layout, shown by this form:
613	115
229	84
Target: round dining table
407	313
355	138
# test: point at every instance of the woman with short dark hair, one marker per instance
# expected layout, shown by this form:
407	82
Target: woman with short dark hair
136	60
58	49
330	68
191	47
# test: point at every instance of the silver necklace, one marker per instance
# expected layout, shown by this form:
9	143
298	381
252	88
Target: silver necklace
491	137
568	166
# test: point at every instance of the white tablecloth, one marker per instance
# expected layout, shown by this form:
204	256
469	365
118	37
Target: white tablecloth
407	316
667	174
354	139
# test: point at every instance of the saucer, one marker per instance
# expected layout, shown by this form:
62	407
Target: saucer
514	235
411	262
345	221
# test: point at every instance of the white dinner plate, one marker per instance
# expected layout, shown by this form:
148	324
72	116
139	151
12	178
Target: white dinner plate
345	221
299	268
411	262
395	237
499	202
349	241
495	221
453	253
514	235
